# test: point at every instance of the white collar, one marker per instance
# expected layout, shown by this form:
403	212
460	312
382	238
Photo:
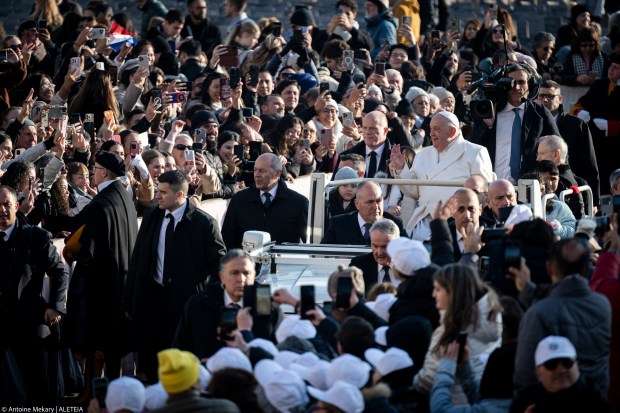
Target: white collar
177	214
509	107
228	301
272	191
105	184
378	151
9	231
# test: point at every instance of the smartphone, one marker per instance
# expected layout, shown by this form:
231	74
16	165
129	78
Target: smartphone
100	66
224	88
31	37
347	119
607	205
380	68
324	87
343	292
45	120
228	323
263	300
238	152
177	97
462	340
3	55
234	77
247	113
200	136
359	54
492	234
29	184
326	137
504	213
456	25
64	120
254	71
230	58
97	33
307	301
476	76
492	6
156	94
483	266
113	71
298	35
42	24
602	226
358	79
277	29
512	255
173	45
74	119
435	39
348	57
19	151
190	160
249	298
256	148
75	64
304	143
89	117
133	149
406	21
385	44
143	61
328	306
100	389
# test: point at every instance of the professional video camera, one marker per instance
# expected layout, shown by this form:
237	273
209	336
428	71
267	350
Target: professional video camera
491	88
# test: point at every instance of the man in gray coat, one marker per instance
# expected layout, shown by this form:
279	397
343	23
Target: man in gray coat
571	310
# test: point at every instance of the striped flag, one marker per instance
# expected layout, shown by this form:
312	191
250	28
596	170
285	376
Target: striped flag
120	35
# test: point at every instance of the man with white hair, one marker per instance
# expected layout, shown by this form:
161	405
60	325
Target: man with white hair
450	158
553	148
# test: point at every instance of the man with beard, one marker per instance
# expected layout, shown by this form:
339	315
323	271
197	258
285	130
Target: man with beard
198	26
271	110
289	90
444	68
576	134
376	264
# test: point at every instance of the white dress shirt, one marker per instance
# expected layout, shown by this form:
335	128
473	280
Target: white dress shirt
503	138
8	232
177	214
228	300
381	276
272	192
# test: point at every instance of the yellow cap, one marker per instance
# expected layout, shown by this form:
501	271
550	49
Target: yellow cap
178	370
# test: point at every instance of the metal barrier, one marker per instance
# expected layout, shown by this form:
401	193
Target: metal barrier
585	188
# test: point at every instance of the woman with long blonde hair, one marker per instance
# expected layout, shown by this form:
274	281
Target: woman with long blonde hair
47	10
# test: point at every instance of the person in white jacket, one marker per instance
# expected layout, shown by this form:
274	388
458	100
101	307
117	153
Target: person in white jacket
450	158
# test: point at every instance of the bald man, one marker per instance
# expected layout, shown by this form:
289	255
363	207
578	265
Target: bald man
450	158
501	194
375	148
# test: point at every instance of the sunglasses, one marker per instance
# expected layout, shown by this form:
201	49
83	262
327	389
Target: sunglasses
547	96
553	364
15	47
182	147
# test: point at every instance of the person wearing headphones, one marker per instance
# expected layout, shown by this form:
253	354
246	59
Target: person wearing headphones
511	135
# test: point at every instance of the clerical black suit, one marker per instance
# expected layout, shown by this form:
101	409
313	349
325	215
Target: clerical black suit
369	267
360	149
155	309
345	229
95	316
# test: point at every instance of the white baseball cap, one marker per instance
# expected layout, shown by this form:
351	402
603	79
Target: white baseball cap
294	326
408	255
344	396
125	393
554	347
228	357
284	389
350	369
390	361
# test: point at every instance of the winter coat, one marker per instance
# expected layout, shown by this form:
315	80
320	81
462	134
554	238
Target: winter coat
381	26
562	213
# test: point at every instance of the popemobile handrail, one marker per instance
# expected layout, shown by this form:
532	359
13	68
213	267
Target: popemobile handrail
584	188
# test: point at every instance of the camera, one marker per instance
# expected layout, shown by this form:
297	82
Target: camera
178	97
491	88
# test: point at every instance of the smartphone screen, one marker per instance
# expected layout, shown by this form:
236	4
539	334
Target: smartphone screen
307	301
74	118
228	323
100	389
234	77
256	148
263	300
133	149
343	292
224	88
324	87
512	255
249	297
247	113
380	68
277	29
254	71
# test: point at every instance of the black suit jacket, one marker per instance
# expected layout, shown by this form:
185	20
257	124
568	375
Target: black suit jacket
344	229
197	249
537	122
360	149
368	265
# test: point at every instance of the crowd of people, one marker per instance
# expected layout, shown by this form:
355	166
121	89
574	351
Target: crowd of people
116	134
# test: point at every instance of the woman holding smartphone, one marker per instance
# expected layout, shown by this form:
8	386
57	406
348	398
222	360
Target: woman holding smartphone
287	143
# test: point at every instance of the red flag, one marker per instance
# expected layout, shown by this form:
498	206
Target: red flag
118	29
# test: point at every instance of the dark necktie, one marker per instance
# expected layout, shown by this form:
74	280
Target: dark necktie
168	254
386	274
2	236
267	202
367	233
515	146
372	165
234	306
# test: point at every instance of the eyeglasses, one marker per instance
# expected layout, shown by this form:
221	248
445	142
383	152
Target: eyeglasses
48	86
329	111
554	363
182	147
588	45
547	96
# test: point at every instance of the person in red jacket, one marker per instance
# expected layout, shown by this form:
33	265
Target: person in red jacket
605	281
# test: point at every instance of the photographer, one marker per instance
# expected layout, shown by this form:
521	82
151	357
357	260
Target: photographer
514	109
